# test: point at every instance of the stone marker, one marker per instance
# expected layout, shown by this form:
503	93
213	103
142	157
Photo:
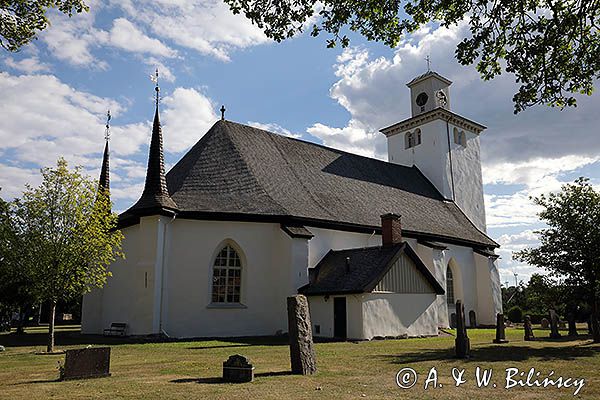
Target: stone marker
528	329
86	363
302	353
453	320
572	324
500	329
2	348
472	319
462	342
545	323
238	369
554	325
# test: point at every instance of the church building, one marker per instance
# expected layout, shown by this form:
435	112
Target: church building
248	217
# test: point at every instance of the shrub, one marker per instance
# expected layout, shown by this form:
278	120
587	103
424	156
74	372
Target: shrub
515	314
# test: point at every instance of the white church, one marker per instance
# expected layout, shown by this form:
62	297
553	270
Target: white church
248	217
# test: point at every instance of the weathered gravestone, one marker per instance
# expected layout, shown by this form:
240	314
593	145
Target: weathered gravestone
238	369
554	325
86	363
302	353
472	319
500	329
528	329
544	323
572	324
462	342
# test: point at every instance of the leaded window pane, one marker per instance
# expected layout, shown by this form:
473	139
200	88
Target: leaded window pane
227	273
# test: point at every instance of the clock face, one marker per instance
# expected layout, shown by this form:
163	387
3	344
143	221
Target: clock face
441	98
422	99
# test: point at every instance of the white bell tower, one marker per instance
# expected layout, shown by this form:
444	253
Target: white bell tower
443	145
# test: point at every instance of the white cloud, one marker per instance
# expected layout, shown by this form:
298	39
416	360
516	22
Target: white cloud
127	36
28	65
165	72
187	116
275	128
207	26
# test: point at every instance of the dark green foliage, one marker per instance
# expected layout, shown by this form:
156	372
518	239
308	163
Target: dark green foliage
21	20
515	314
551	46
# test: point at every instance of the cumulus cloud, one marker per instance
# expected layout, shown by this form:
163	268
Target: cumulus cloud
127	36
275	128
28	65
187	116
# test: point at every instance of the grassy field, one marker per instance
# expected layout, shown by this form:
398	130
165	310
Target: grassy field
192	369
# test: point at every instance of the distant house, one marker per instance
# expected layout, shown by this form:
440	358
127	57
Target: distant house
248	217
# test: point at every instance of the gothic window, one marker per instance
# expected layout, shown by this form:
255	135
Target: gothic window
449	286
227	276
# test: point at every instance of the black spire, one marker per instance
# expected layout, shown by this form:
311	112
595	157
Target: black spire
155	196
105	171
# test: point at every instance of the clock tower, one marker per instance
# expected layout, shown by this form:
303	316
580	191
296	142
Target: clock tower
443	145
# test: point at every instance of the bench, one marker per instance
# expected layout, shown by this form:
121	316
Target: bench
116	329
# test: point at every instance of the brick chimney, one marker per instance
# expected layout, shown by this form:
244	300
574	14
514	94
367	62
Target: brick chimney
391	229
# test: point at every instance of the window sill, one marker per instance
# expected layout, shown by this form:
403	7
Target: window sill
227	305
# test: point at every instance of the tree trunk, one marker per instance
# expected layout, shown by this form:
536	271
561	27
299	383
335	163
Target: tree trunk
595	327
50	348
21	322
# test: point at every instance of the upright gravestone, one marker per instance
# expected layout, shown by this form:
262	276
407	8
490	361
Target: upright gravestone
86	363
572	324
528	329
500	329
302	353
554	325
238	369
472	319
462	343
544	323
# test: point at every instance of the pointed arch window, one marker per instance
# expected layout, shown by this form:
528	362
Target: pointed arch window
227	276
449	286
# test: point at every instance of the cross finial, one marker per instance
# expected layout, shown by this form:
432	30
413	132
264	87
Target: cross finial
428	59
223	113
107	131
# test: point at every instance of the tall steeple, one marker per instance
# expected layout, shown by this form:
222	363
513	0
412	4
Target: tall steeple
105	171
156	195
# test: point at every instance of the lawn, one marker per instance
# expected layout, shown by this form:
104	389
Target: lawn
347	370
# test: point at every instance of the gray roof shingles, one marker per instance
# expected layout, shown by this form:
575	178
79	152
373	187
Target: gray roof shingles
241	170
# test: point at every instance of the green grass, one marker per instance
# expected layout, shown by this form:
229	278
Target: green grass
191	369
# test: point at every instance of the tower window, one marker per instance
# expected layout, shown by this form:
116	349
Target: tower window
412	139
460	137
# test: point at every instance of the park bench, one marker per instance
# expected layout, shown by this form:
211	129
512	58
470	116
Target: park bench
116	329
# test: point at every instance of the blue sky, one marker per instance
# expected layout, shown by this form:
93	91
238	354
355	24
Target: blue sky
57	90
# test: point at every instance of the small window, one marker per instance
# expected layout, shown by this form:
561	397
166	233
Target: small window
412	139
449	286
460	137
227	276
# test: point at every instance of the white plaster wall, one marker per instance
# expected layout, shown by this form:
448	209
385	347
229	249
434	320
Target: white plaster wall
267	256
395	314
91	312
486	310
429	86
465	283
321	313
327	239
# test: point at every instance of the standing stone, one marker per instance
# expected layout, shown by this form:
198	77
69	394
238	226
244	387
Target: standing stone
472	319
238	369
302	353
528	329
554	325
572	324
500	329
545	324
462	342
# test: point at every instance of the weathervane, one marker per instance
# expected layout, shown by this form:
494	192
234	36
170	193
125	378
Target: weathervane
223	112
428	59
107	131
154	78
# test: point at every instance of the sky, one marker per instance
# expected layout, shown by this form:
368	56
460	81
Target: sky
57	90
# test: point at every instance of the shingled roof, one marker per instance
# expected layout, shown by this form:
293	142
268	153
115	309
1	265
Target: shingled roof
239	172
360	270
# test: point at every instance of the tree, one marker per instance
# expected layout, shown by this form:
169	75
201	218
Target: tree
21	20
551	46
569	246
69	236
